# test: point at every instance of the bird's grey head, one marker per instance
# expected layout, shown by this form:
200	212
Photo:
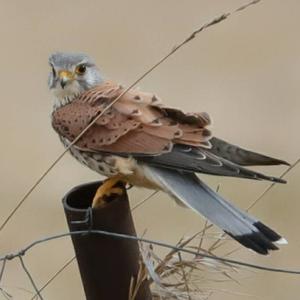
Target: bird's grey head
71	74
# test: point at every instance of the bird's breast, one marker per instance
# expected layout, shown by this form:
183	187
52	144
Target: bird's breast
110	165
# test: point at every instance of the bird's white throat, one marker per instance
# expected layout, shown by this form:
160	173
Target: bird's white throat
60	102
64	96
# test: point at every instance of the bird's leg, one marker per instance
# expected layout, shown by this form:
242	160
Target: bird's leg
108	188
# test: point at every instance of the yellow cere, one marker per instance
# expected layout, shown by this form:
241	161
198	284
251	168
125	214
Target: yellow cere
66	74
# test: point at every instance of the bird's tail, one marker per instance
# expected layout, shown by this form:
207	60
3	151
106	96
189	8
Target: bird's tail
191	191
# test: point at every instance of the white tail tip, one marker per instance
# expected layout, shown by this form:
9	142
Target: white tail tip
282	241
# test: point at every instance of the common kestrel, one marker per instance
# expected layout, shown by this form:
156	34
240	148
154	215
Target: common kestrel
144	143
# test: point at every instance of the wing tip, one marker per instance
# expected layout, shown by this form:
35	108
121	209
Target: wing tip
270	161
242	156
283	162
278	180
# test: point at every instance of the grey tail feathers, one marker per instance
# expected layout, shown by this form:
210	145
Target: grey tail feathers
191	191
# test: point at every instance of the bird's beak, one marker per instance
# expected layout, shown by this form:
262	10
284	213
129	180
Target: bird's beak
65	77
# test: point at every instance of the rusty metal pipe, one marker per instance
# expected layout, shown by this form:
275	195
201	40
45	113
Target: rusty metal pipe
106	264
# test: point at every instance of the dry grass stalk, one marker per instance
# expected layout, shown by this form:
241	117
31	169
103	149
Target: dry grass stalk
136	283
181	277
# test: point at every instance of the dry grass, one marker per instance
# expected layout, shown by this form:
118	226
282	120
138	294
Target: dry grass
187	277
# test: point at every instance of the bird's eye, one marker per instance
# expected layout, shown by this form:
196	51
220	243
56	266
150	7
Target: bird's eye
80	69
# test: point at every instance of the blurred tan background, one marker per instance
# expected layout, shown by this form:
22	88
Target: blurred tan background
244	72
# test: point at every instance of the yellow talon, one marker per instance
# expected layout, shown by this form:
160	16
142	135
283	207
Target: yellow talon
106	190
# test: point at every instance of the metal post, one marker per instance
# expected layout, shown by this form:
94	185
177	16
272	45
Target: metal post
106	264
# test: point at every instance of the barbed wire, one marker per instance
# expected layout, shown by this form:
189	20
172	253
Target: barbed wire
29	276
27	248
213	22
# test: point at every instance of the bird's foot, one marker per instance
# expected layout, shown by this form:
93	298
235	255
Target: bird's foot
110	187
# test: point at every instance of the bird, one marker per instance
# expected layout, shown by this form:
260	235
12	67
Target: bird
139	141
